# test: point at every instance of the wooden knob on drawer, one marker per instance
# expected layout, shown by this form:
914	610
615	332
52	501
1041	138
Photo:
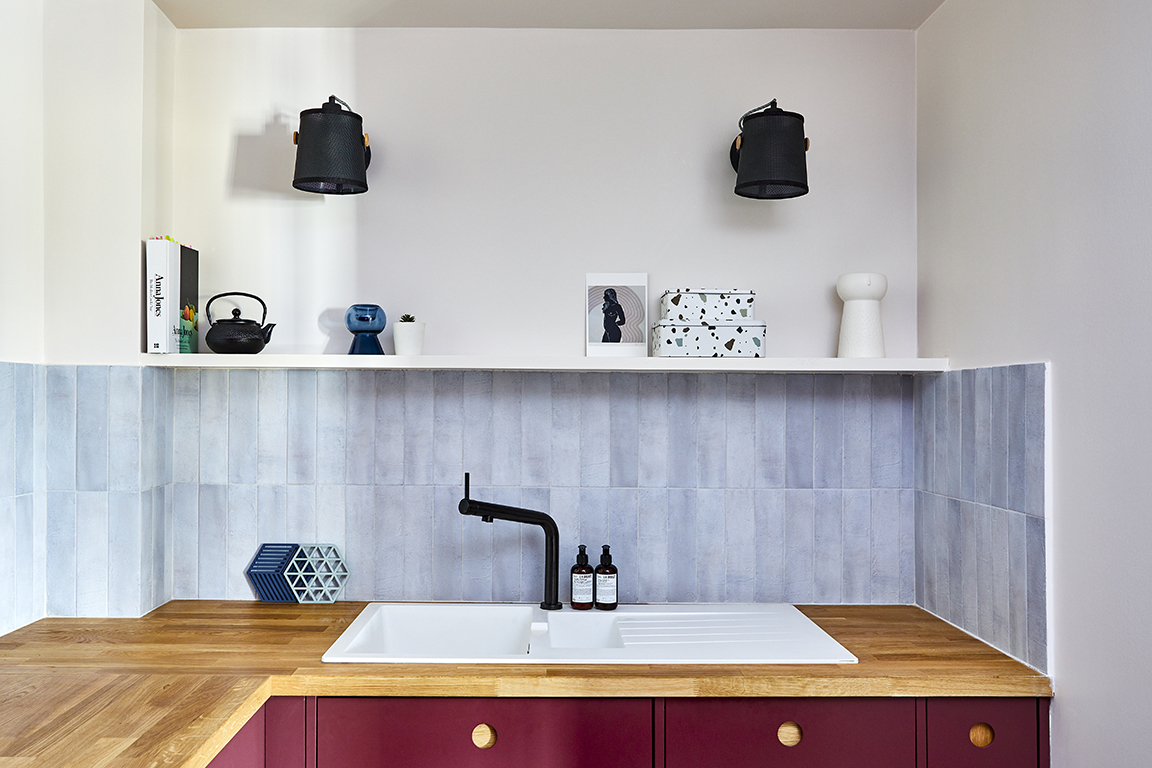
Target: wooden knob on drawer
981	734
484	736
789	734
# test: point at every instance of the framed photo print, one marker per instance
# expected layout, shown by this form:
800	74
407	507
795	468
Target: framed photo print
617	314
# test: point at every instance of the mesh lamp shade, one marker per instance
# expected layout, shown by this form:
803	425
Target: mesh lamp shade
768	155
332	151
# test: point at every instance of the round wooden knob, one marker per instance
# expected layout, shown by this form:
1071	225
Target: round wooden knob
484	736
789	734
981	734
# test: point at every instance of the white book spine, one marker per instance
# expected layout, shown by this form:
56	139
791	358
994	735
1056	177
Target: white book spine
158	296
173	303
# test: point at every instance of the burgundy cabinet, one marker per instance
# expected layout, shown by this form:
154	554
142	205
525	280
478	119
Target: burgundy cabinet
508	733
276	736
987	733
791	733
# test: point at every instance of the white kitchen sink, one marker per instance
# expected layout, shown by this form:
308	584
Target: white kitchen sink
498	633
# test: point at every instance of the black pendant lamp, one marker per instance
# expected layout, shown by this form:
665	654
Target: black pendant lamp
768	155
332	152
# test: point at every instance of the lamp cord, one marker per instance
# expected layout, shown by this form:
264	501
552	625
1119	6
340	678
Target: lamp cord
749	113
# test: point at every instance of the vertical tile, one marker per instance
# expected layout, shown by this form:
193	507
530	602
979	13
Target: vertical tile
799	540
532	542
968	434
300	515
740	431
332	426
61	424
886	432
940	457
857	531
40	430
506	435
828	545
212	532
711	455
23	438
243	388
565	446
984	587
166	383
359	509
536	429
998	439
595	430
624	431
710	541
885	545
982	437
907	546
388	455
505	546
1017	585
927	517
478	427
185	538
272	514
302	411
1001	576
272	426
920	597
360	432
447	543
908	429
770	430
92	554
954	433
969	567
7	432
125	427
926	429
125	530
799	434
954	546
564	507
61	554
1037	629
214	427
477	553
1034	376
148	437
769	545
418	506
241	540
681	544
857	431
8	547
594	519
828	431
330	514
1017	388
652	559
652	414
740	546
23	527
623	535
448	428
144	594
389	542
682	451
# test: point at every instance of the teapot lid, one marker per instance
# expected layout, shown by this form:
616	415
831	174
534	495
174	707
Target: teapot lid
236	320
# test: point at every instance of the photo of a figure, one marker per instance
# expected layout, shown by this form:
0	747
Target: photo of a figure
617	314
613	317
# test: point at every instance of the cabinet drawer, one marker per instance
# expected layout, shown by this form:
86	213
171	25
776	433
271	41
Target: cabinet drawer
748	733
1012	725
432	733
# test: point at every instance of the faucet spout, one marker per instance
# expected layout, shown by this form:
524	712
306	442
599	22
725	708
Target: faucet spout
488	512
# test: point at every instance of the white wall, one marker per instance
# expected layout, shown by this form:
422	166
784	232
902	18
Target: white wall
22	192
1035	187
507	163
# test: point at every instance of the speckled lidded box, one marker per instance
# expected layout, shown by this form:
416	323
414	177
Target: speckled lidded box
726	339
707	305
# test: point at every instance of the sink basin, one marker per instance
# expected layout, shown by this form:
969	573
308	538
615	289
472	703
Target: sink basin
483	633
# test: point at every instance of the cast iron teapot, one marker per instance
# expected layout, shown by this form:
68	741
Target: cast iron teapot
235	335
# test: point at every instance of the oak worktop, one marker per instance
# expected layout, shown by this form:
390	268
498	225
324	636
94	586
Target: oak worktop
171	688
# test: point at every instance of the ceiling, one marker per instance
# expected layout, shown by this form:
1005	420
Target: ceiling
553	14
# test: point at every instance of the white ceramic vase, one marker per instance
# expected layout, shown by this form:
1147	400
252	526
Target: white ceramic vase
408	338
860	332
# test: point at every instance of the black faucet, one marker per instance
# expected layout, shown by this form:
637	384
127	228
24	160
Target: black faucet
488	512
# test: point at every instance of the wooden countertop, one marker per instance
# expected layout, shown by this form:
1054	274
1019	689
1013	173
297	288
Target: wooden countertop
172	688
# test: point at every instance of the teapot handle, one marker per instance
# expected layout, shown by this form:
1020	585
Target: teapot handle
208	306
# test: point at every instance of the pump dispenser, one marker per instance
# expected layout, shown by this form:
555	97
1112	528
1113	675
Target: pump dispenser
606	583
583	580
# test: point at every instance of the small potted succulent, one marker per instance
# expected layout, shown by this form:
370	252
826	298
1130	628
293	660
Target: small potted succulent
408	335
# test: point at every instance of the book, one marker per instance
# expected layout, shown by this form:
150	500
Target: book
172	285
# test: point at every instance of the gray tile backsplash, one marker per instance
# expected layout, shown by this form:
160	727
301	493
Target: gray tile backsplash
122	487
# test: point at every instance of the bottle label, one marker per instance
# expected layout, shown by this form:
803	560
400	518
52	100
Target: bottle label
581	587
606	588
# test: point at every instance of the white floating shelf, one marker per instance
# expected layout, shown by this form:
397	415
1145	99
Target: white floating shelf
609	364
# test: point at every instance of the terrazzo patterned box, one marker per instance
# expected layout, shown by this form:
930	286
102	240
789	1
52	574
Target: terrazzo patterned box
705	305
731	339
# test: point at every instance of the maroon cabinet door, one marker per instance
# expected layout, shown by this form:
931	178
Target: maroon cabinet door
1012	725
246	749
747	733
528	733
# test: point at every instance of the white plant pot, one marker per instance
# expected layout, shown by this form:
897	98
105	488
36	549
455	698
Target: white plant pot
861	334
408	338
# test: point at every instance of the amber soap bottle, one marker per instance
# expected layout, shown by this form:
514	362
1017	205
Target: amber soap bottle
606	582
583	579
